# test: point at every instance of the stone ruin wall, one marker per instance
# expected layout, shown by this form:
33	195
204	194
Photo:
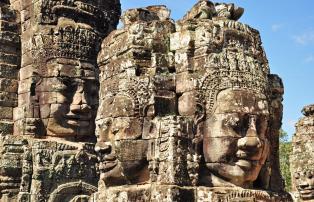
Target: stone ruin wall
143	121
10	63
164	154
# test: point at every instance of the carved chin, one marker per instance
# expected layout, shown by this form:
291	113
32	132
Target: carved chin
239	173
307	194
69	128
112	174
56	129
107	166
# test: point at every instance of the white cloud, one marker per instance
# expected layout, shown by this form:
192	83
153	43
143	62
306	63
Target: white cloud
305	38
276	27
309	59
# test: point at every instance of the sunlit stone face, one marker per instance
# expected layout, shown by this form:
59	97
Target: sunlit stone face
235	145
71	102
304	181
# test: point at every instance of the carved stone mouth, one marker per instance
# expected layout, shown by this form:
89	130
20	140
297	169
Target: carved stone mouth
307	194
307	191
246	163
78	123
78	117
105	166
249	156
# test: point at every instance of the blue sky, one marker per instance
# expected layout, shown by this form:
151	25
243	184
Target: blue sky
287	31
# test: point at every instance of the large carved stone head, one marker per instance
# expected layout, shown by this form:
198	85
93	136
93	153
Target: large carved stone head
58	89
232	98
128	62
237	113
219	132
235	141
69	107
302	164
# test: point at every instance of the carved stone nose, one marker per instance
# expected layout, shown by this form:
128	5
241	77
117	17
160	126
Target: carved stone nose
304	185
75	108
249	143
77	98
251	140
103	147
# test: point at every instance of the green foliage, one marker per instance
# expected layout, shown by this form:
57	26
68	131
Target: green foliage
285	149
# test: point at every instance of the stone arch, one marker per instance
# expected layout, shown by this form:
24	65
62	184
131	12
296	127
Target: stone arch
70	191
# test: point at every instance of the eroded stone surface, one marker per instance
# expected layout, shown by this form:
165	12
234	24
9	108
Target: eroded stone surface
210	116
181	111
137	97
302	164
9	66
51	155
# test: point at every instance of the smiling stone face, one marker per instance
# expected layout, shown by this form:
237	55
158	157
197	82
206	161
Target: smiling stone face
52	88
74	112
235	145
58	90
304	181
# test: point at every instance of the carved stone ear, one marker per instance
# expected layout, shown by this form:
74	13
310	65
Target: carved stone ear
34	127
276	86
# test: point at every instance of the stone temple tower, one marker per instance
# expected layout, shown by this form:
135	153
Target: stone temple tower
189	110
302	163
156	110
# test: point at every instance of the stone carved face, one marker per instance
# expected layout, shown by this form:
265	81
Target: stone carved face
122	153
76	100
235	145
123	162
305	184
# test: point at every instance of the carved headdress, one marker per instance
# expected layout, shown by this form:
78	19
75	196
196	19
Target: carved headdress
238	62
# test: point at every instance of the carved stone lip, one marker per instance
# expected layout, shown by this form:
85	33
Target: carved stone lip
77	117
107	165
307	196
77	123
307	191
245	163
110	158
249	156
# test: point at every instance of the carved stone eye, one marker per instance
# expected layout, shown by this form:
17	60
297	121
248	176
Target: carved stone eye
296	175
310	174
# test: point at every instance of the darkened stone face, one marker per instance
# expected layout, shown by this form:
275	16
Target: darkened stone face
123	162
305	184
235	145
122	153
